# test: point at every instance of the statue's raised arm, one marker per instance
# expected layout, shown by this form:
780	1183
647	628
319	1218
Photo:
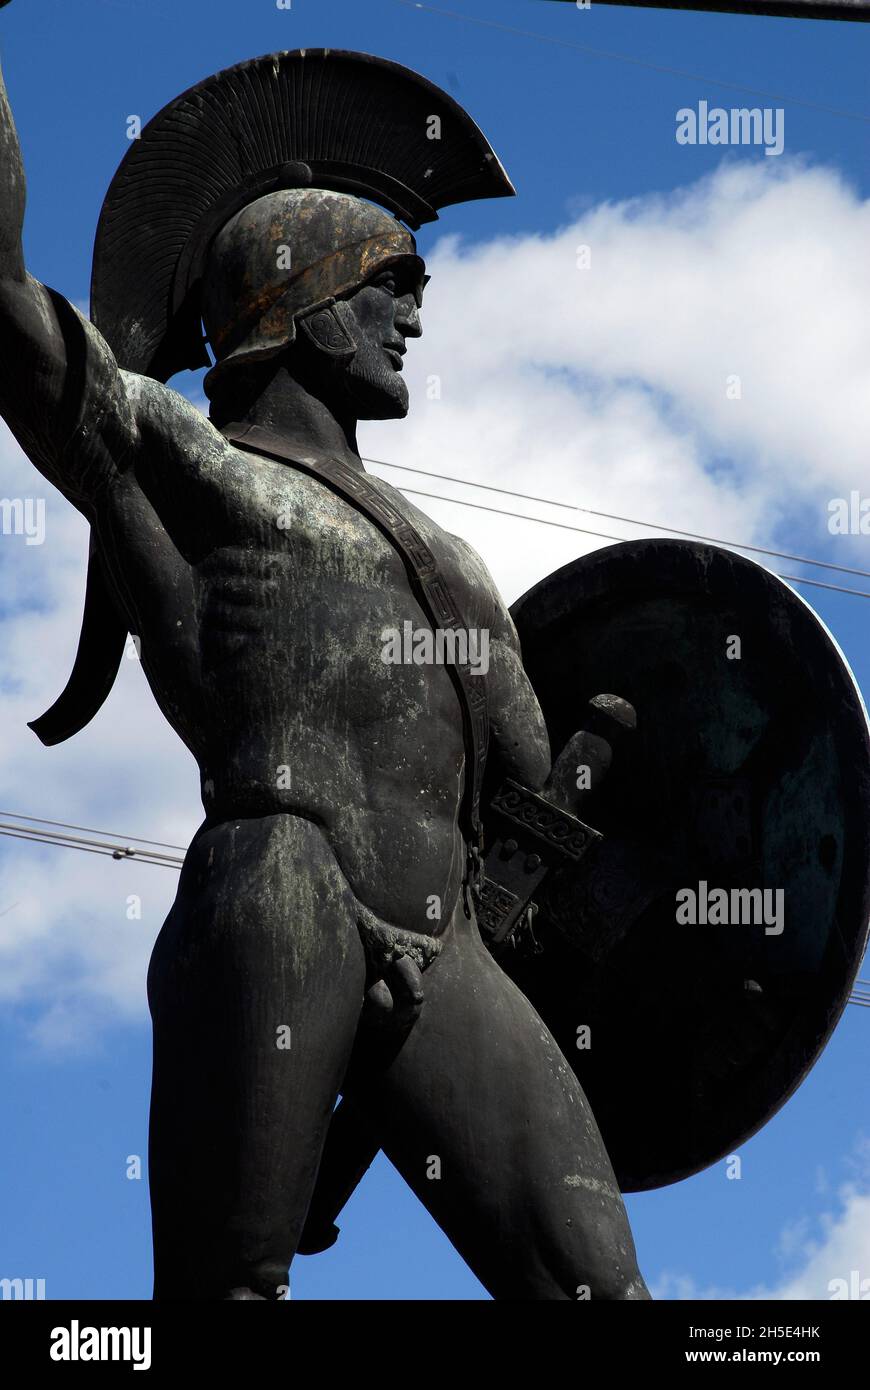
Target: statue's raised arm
61	391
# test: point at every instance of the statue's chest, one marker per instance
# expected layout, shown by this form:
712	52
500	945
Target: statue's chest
304	533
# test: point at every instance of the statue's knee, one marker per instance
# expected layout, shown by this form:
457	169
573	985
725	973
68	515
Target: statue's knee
602	1266
617	1282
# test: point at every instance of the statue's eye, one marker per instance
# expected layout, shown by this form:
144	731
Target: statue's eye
387	282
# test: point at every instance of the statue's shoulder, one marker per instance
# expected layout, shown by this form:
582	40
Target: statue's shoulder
490	608
170	419
498	617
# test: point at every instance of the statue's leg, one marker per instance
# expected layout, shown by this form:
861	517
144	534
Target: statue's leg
484	1119
255	988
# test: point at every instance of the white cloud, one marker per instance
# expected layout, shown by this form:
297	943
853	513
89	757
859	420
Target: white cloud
606	387
602	387
825	1257
71	962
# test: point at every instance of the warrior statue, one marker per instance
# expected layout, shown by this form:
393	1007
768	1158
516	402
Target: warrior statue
355	916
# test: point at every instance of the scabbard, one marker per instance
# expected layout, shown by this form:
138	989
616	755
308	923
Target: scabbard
350	1150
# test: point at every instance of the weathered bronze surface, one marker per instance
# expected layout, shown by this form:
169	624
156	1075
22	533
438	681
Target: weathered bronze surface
334	880
748	771
324	941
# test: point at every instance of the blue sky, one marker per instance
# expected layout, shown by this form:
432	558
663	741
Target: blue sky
711	261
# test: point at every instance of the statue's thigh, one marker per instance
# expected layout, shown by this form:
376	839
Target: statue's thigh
255	986
263	916
485	1120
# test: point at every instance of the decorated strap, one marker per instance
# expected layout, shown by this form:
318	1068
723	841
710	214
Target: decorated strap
435	596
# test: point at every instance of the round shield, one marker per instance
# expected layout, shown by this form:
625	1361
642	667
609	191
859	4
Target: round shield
694	965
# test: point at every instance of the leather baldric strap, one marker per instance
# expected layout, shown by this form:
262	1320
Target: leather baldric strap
360	490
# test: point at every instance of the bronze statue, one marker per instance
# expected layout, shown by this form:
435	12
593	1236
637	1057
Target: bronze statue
336	931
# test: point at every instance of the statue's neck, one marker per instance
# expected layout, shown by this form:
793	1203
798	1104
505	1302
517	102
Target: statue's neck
303	420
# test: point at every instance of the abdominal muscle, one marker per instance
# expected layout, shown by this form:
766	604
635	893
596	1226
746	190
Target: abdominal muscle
281	692
386	797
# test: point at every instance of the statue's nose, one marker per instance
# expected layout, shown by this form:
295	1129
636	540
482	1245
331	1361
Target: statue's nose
408	319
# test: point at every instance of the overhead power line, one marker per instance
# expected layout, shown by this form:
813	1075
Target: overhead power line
628	520
602	535
860	993
89	829
35	838
633	61
141	856
30	828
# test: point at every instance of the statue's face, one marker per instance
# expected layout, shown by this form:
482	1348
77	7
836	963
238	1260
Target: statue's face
384	313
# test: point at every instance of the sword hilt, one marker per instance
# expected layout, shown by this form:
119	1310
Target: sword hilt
540	830
609	725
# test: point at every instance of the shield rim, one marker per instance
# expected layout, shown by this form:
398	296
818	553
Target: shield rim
851	890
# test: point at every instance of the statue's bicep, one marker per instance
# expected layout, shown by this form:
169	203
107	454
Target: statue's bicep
61	391
519	734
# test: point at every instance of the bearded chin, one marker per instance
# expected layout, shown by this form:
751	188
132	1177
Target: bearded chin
376	389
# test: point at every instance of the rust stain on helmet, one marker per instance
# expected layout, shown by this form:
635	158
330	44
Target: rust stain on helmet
288	254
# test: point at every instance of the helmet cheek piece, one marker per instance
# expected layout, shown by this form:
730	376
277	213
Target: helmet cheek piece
328	328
